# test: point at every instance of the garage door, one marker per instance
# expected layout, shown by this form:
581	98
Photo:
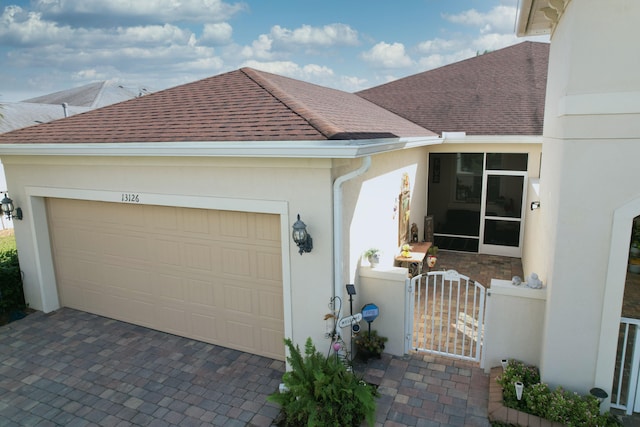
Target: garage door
214	276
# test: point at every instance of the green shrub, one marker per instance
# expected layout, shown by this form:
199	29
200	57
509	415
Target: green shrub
517	371
321	392
11	292
370	342
559	405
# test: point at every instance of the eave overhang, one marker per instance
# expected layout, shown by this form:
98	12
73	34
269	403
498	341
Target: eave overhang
461	138
346	149
539	17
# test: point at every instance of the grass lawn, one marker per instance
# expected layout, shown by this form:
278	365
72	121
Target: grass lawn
7	240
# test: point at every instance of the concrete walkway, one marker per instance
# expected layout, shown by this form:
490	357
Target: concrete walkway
71	368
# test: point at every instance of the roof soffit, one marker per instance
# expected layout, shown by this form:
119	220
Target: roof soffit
538	17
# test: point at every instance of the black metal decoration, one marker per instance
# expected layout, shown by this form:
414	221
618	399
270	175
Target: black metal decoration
8	209
302	237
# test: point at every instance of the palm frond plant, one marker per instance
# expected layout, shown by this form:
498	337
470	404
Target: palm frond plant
319	391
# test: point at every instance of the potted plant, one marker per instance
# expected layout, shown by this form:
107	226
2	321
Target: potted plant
369	345
432	256
405	251
373	256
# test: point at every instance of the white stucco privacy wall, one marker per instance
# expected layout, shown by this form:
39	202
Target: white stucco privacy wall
589	173
514	323
370	205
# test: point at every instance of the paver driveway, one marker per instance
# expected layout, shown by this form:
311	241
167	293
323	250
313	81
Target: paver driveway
71	368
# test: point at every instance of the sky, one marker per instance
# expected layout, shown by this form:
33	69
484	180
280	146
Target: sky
351	45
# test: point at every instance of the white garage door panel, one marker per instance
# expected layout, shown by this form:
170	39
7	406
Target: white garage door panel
214	276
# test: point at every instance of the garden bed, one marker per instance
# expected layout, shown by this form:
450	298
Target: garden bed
500	413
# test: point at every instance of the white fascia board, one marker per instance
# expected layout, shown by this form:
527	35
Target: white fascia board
292	149
493	139
523	17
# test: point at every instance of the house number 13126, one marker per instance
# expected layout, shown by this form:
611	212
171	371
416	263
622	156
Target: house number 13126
130	198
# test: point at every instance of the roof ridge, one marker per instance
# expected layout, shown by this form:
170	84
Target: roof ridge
98	97
325	127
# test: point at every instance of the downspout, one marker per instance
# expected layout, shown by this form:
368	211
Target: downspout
337	223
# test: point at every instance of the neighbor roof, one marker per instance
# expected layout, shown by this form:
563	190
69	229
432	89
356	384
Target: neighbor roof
16	115
497	93
93	95
242	105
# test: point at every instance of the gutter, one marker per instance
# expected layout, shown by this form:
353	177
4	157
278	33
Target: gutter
337	224
345	149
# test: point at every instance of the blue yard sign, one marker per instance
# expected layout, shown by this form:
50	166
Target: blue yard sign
370	312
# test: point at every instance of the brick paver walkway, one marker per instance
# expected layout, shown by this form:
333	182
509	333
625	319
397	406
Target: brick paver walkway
71	368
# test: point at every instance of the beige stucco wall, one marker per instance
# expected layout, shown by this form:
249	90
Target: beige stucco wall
291	185
514	322
387	288
300	185
589	172
370	200
372	197
370	218
534	248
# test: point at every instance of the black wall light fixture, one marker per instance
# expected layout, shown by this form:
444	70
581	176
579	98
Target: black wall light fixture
302	237
8	208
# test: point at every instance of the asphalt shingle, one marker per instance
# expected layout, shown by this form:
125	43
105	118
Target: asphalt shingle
498	93
242	105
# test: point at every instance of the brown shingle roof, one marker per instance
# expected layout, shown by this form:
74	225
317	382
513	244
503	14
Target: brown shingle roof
242	105
498	93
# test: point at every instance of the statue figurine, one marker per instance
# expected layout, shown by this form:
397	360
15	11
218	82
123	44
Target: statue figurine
414	233
534	282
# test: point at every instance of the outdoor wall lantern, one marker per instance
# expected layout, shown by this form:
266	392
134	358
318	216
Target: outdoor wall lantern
7	208
301	236
599	394
535	205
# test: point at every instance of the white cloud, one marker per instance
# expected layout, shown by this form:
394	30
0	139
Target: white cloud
27	29
281	42
495	30
22	28
291	69
105	12
494	41
152	34
352	83
438	60
216	34
260	48
84	52
91	74
387	55
308	36
499	19
285	68
438	45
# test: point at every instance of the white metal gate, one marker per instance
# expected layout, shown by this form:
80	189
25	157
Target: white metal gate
446	315
626	387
